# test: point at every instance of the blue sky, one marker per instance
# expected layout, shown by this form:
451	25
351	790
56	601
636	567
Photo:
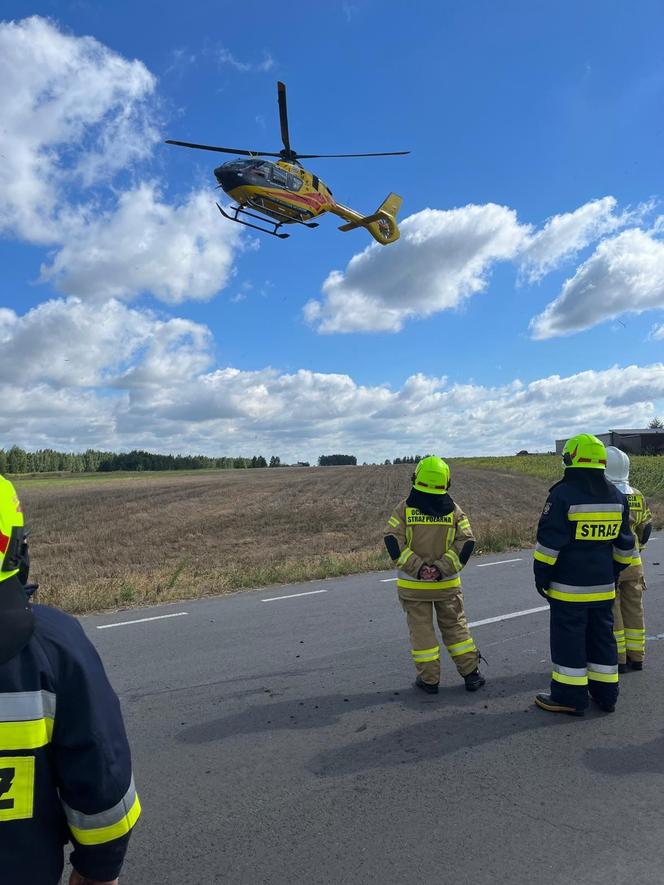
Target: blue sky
535	133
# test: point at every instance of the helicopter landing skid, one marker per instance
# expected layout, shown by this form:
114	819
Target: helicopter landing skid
238	210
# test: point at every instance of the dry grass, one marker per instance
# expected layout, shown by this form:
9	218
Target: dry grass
113	542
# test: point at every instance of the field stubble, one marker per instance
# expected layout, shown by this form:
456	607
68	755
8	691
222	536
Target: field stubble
157	538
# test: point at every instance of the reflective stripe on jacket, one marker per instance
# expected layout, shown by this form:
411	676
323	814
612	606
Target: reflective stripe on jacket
65	766
582	542
639	518
431	540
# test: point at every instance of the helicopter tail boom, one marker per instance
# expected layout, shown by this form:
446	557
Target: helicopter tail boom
382	225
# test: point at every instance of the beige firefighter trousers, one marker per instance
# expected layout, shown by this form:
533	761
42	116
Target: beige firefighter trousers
628	620
454	629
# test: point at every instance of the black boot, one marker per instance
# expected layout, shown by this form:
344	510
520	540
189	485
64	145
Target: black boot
604	707
474	680
635	665
622	668
546	702
428	687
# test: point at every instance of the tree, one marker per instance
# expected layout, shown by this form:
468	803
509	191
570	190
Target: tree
275	461
328	460
17	460
656	423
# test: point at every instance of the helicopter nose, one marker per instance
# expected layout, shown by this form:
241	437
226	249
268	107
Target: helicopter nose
227	178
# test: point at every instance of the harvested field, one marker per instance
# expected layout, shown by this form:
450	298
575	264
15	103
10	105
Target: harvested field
117	541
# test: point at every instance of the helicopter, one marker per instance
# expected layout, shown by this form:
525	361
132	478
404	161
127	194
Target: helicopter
283	192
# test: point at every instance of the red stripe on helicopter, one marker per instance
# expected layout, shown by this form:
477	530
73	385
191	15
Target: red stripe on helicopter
316	200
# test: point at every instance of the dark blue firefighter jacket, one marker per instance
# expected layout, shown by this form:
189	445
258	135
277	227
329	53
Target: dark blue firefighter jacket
65	766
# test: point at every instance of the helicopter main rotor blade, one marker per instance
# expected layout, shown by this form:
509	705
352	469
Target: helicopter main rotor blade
383	154
223	150
283	116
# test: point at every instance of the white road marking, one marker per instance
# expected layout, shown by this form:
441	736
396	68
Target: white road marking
499	562
526	611
386	580
140	620
292	595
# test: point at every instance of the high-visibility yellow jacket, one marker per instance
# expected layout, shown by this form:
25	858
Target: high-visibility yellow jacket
640	518
427	539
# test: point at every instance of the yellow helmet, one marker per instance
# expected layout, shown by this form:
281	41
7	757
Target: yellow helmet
11	530
584	450
432	475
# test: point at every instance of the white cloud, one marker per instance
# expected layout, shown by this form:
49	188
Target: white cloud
564	235
73	112
146	245
446	256
227	58
73	344
442	258
135	380
624	274
657	333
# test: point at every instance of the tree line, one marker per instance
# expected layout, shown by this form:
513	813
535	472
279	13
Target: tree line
17	460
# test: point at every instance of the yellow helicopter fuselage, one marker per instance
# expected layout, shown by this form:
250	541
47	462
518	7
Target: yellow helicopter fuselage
290	194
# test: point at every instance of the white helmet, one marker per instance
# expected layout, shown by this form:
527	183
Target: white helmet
617	469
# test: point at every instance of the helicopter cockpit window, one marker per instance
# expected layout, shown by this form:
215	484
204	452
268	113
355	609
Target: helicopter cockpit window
294	183
279	176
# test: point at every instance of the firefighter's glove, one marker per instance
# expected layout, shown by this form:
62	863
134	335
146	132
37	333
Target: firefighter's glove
542	591
429	573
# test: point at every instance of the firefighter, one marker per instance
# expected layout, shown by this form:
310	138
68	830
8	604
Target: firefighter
65	767
629	623
430	540
583	541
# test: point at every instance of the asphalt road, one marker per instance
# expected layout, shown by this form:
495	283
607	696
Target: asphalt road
277	740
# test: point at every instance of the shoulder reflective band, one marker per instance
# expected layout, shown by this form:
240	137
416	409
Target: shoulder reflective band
571	593
545	554
405	556
26	719
596	522
464	523
394	522
603	672
590	511
97	829
569	675
416	517
406	581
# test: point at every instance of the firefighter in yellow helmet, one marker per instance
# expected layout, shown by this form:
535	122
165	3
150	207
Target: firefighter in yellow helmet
429	539
629	621
65	766
584	540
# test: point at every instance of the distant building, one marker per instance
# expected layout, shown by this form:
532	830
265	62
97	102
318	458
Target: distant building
636	442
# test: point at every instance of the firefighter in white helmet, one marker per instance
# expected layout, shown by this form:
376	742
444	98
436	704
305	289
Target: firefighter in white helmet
429	539
628	616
